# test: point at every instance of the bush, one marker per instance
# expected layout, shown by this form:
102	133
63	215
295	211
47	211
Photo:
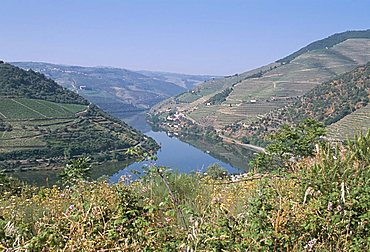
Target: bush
321	204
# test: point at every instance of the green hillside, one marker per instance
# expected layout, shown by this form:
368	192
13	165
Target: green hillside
43	124
258	92
15	82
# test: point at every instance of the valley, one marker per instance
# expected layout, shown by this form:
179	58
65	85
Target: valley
184	126
188	126
115	89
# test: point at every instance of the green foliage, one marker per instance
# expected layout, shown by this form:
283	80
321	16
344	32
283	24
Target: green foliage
321	204
15	82
290	142
215	171
245	140
297	141
339	184
5	126
220	97
77	170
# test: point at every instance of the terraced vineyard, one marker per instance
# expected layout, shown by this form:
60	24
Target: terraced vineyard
37	132
32	119
354	123
51	132
36	109
258	92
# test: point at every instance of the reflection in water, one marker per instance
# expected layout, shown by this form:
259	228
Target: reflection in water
175	154
184	157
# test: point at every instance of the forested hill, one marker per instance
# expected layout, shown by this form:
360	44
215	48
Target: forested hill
44	125
15	82
327	43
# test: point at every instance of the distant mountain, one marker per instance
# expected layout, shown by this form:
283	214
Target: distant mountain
239	101
183	80
113	89
43	124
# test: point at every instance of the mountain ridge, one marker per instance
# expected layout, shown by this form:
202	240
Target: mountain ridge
328	42
117	89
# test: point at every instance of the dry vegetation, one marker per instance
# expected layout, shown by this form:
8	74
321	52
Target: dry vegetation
320	203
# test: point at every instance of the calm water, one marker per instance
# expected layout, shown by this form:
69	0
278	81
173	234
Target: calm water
175	154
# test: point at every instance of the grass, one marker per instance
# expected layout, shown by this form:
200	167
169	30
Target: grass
312	206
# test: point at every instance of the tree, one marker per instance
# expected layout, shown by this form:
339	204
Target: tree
76	170
289	144
216	171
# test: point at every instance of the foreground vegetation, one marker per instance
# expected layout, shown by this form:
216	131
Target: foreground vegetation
317	199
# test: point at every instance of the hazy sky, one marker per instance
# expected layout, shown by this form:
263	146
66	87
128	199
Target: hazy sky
219	37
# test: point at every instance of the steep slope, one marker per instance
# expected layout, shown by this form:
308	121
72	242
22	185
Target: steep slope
115	89
19	83
329	102
43	124
350	125
327	43
256	93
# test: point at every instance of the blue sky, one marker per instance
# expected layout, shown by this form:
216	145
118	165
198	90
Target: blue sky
219	37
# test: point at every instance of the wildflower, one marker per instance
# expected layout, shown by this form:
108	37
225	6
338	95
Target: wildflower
71	207
339	208
330	206
311	244
216	200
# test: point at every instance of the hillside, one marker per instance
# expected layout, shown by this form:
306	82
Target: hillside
350	125
117	90
43	124
249	96
15	82
330	102
183	80
327	43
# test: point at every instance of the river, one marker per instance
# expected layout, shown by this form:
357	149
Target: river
175	154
